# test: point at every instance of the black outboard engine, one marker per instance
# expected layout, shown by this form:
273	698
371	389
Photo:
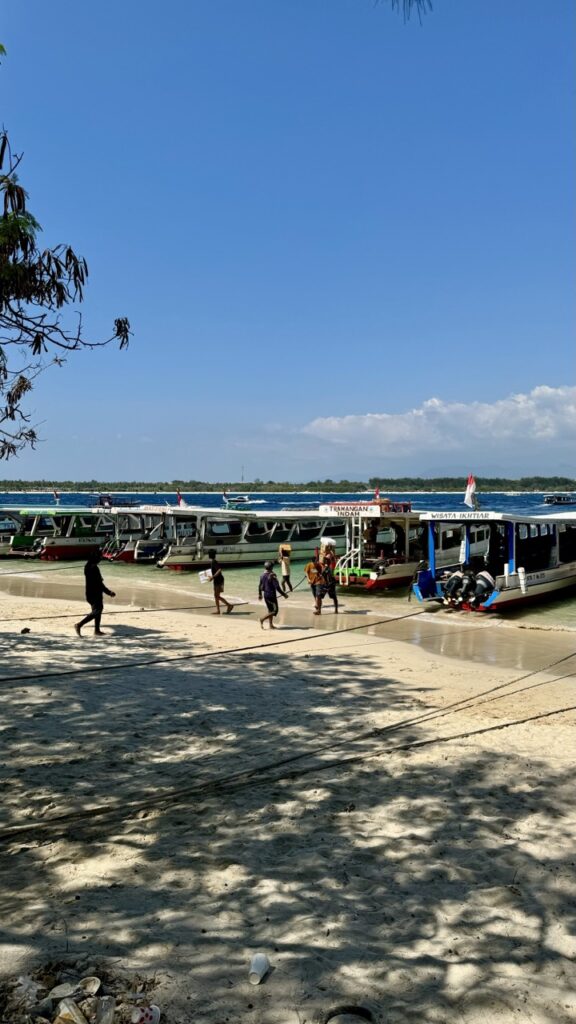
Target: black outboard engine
453	586
468	585
485	584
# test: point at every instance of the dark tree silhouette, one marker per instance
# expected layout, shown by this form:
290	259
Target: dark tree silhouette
422	7
35	285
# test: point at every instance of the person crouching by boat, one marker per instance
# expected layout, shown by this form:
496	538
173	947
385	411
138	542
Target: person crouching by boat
218	583
313	572
284	559
268	588
95	590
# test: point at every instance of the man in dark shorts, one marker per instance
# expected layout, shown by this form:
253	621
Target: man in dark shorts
218	583
268	588
313	571
95	590
330	582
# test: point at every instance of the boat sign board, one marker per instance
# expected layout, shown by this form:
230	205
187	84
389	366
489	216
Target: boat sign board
349	509
446	517
496	517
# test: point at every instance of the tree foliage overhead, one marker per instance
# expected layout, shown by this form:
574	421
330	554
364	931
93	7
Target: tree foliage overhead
422	7
35	286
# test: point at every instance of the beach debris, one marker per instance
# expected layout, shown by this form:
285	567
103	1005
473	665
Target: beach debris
105	1010
67	988
89	986
259	967
146	1015
70	1013
26	990
56	993
349	1015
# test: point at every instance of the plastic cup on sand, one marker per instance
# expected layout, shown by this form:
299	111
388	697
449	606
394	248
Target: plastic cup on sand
146	1015
259	967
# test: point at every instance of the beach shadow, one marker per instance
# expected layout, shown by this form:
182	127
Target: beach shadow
282	803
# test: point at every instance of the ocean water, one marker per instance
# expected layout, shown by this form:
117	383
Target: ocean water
557	614
497	501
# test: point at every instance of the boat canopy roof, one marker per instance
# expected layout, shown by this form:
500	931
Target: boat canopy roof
495	517
261	515
56	510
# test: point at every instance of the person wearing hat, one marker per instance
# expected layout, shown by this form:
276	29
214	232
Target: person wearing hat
218	583
268	588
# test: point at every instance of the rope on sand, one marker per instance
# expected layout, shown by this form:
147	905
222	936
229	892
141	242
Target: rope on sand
251	778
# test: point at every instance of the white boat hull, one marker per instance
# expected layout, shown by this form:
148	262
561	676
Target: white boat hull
537	585
182	557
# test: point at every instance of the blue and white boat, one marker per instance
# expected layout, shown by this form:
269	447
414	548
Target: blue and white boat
514	558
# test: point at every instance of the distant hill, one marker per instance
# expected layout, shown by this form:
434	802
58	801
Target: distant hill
385	484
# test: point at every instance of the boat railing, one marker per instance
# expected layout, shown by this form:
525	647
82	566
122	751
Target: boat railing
346	563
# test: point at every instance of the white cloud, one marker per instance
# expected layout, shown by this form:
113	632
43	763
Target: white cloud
544	419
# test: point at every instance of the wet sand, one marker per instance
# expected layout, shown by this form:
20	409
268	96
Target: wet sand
383	807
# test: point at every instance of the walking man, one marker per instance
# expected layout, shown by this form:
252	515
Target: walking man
218	583
313	571
268	588
284	559
330	582
95	590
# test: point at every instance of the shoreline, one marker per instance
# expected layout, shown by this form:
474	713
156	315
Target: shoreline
385	812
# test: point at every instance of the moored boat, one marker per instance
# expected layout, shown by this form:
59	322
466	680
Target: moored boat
511	559
560	499
244	537
384	543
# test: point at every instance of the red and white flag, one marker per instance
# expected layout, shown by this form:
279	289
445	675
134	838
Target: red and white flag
377	494
470	496
178	497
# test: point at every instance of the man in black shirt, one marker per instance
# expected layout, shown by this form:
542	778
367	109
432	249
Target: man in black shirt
218	583
95	590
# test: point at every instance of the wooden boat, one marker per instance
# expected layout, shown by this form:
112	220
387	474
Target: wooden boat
140	535
560	499
527	557
54	534
244	537
384	543
13	537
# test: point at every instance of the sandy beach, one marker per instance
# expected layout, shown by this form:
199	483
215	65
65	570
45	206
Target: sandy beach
386	811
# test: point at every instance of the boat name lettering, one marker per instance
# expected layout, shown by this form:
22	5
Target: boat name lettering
350	509
458	516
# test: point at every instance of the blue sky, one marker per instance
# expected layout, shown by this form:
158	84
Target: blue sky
345	242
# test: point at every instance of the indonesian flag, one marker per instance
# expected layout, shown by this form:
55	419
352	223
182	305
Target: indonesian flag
178	497
470	496
377	494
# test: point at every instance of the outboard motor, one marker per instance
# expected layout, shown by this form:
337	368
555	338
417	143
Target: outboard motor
453	586
468	585
485	584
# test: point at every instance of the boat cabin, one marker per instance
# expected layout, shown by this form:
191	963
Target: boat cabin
515	557
385	541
